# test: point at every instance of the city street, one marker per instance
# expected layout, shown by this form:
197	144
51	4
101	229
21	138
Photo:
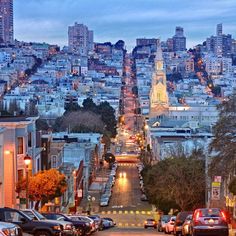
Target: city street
126	192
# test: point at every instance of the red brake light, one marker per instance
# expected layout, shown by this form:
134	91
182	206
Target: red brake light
197	215
223	216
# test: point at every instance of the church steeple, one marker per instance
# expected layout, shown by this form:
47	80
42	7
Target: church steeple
158	93
159	65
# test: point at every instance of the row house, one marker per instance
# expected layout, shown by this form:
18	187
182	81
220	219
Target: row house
17	138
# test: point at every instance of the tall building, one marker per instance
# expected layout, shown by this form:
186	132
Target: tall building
158	93
221	44
6	21
80	38
179	40
219	29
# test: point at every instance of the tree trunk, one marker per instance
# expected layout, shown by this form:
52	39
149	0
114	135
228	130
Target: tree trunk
36	206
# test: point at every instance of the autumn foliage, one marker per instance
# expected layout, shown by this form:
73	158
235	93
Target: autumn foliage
45	185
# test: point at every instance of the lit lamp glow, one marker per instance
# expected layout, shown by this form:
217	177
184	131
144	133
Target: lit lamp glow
27	160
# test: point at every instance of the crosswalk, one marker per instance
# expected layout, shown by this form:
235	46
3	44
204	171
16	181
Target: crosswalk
137	212
127	164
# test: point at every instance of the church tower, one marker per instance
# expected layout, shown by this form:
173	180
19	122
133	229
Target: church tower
158	93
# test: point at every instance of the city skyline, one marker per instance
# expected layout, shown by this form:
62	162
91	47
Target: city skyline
139	19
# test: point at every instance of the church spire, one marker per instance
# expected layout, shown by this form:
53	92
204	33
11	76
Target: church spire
159	65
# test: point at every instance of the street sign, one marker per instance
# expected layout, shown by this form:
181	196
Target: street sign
215	184
217	179
215	193
80	193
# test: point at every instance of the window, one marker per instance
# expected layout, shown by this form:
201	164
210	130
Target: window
20	147
20	175
13	216
29	139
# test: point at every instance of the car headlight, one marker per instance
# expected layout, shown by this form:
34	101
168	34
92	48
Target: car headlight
56	227
6	232
87	224
68	227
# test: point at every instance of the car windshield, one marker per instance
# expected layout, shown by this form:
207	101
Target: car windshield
78	218
41	217
210	212
165	218
30	214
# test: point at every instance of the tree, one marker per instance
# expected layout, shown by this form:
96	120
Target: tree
109	158
108	117
232	186
31	109
223	145
80	122
13	107
178	180
41	125
88	104
44	186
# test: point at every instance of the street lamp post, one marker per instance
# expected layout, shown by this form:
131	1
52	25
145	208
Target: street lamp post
27	160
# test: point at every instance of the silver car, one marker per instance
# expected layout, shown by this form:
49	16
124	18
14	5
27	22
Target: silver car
209	221
7	229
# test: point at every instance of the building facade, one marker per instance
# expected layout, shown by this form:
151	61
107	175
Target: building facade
179	40
16	140
80	38
6	21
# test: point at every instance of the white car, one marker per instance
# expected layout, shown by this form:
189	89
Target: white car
169	227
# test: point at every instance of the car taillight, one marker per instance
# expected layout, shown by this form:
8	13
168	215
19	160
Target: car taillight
223	216
197	216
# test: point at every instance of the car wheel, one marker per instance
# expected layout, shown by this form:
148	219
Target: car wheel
42	233
145	227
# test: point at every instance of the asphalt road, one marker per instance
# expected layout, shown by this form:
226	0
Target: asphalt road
126	192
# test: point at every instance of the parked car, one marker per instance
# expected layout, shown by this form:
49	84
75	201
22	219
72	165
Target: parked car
169	226
209	221
29	226
150	223
180	218
186	225
110	219
162	222
7	229
107	223
82	227
86	219
67	227
98	221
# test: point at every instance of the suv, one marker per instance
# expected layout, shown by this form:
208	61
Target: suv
82	227
7	229
180	218
209	221
68	228
37	228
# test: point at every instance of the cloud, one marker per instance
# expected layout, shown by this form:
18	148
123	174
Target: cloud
48	20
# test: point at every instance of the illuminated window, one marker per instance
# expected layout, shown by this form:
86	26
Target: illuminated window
20	147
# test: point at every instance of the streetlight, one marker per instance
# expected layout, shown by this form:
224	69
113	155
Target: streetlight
27	160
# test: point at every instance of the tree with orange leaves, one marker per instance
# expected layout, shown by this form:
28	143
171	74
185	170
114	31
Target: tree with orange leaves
44	186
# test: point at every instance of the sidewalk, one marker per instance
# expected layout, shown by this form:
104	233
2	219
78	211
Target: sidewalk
232	232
